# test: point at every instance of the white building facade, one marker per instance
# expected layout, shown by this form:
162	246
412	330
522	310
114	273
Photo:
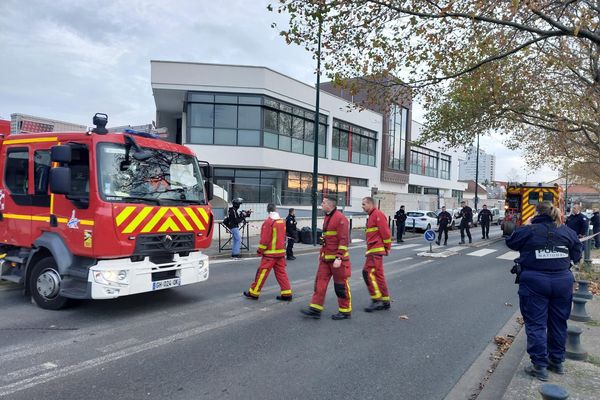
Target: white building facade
487	166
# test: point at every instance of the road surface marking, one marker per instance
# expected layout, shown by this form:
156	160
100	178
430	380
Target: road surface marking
456	248
118	345
405	246
481	253
509	255
36	369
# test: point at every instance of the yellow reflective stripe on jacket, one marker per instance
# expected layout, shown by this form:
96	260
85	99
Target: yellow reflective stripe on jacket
340	247
274	238
274	251
375	229
329	233
375	249
262	246
387	240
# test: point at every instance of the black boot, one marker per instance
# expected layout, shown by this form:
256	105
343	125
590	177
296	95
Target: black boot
537	372
437	242
374	306
250	296
445	243
556	367
290	258
284	298
311	313
461	242
341	315
385	305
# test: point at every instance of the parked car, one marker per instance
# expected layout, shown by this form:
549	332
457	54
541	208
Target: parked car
497	216
421	219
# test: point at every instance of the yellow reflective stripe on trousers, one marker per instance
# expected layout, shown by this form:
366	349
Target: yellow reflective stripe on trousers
374	283
385	298
329	233
258	283
316	306
375	249
286	292
328	256
375	229
342	247
274	251
262	246
349	309
387	240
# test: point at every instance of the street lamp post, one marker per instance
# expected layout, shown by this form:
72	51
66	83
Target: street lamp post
316	138
477	173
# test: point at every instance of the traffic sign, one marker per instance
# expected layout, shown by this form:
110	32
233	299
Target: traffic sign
429	235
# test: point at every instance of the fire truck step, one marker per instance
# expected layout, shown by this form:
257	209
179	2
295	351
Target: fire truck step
13	278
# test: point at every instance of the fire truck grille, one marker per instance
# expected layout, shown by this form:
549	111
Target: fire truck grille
164	243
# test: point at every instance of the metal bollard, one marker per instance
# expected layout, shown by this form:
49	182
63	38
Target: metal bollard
550	391
587	252
583	290
350	230
579	312
574	350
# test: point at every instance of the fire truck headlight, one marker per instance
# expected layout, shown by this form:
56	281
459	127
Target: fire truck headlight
108	277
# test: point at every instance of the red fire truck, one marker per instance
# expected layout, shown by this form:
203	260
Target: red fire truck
522	198
98	215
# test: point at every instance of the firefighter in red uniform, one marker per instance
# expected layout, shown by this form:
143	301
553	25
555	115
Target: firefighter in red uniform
334	260
272	250
379	243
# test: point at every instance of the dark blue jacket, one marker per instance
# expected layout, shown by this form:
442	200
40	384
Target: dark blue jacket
595	221
444	218
485	216
544	246
579	223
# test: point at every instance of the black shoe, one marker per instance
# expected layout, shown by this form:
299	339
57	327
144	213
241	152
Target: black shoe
291	258
385	305
487	237
284	298
401	241
445	243
341	315
470	241
483	237
438	243
461	242
311	312
557	368
537	372
250	296
236	257
374	306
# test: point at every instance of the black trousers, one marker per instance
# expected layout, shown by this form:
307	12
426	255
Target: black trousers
400	226
443	229
289	250
485	229
464	227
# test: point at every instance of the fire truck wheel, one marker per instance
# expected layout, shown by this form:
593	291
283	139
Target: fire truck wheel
44	285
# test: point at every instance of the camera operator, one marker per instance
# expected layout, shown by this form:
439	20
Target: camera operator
235	217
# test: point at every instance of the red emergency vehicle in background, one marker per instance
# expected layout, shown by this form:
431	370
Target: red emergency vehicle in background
522	199
98	215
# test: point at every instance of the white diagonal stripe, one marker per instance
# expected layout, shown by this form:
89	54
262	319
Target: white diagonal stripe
509	255
457	248
481	253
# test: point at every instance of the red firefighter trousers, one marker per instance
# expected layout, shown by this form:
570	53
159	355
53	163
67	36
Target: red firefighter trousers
265	267
374	277
341	285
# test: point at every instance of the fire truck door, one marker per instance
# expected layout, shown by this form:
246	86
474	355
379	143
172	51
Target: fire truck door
15	200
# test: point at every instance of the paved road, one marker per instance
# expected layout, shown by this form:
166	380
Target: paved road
207	342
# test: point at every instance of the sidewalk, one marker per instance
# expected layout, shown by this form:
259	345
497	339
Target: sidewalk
582	378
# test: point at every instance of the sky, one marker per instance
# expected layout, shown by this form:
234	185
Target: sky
68	59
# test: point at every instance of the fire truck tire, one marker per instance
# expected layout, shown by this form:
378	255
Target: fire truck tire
508	228
44	285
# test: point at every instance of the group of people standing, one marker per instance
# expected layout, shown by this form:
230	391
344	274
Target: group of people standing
334	259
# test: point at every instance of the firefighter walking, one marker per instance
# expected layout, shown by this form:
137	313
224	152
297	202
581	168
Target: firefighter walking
272	249
379	243
334	261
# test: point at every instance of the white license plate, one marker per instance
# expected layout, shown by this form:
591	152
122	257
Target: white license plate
167	283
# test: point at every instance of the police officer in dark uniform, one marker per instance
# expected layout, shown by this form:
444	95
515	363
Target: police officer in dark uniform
595	221
485	217
577	221
400	218
546	248
466	213
444	219
291	232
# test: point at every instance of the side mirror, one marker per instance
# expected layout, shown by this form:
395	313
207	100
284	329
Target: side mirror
207	169
60	154
209	190
60	180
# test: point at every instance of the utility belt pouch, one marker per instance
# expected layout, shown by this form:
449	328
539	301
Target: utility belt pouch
516	269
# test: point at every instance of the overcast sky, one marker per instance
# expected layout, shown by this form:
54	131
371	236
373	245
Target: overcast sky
68	59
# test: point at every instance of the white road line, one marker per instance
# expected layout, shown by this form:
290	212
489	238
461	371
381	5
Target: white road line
509	255
36	369
405	246
118	345
424	248
456	248
357	240
481	253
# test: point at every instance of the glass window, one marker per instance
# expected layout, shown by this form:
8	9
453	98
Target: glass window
225	136
285	143
309	131
271	118
16	176
271	140
297	146
248	173
225	116
248	138
298	128
202	115
548	196
248	117
285	124
534	198
226	99
203	98
250	100
41	171
201	135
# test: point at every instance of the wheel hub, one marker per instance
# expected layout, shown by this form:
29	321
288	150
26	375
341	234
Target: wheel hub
48	284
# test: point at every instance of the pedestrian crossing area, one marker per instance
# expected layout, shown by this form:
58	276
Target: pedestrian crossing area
501	254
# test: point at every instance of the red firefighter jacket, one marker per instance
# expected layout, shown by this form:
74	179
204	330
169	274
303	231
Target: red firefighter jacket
272	238
379	237
335	237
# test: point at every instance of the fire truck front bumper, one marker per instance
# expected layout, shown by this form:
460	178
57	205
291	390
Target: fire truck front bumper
121	277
